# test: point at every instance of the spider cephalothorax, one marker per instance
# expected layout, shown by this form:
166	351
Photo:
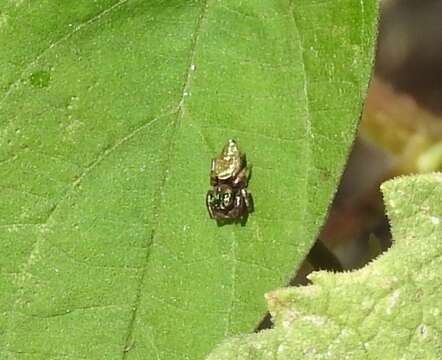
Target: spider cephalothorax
229	199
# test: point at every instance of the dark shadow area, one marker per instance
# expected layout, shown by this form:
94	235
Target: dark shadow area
410	49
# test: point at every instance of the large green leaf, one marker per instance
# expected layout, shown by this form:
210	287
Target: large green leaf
110	112
390	309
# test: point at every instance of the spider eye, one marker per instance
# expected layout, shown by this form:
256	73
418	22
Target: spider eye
227	199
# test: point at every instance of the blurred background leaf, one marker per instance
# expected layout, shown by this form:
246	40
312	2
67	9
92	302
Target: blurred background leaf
400	133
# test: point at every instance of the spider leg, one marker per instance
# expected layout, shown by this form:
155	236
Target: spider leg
238	201
246	206
247	200
248	173
208	205
242	178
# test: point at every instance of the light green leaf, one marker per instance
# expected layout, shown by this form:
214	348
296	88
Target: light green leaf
389	309
110	113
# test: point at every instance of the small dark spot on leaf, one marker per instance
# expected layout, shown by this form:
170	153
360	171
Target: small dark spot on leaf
324	174
40	78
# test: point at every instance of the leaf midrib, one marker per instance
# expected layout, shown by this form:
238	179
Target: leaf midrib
158	210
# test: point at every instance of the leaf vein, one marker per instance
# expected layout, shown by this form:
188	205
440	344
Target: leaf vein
233	285
58	42
102	157
176	125
307	117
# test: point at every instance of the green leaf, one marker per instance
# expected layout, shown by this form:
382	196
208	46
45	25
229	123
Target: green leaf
110	113
389	309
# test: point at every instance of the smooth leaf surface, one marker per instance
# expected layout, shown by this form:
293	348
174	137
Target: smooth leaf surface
390	309
110	113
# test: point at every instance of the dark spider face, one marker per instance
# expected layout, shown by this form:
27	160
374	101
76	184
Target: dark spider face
221	198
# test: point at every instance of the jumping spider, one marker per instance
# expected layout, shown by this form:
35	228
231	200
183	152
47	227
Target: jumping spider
229	200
